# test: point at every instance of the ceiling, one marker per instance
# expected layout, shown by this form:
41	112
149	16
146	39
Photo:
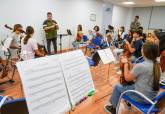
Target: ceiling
138	3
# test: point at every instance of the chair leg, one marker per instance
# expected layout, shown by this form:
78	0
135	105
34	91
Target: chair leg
100	69
118	105
12	79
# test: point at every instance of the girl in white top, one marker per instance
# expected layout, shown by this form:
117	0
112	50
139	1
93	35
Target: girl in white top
29	47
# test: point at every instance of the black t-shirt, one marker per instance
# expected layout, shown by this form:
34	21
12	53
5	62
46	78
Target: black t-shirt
137	45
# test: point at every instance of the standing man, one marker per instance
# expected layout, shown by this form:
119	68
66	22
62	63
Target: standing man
135	24
50	27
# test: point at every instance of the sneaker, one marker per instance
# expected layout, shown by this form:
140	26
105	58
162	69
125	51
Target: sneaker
2	91
110	109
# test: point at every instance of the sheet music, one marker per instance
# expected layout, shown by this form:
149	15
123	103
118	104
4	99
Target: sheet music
106	55
77	75
44	86
7	44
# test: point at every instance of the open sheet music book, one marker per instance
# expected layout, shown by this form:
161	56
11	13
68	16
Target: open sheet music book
55	84
106	56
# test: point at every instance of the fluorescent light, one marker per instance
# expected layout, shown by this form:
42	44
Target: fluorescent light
159	0
128	3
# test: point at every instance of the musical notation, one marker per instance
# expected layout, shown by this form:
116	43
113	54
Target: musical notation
77	75
106	56
44	85
55	84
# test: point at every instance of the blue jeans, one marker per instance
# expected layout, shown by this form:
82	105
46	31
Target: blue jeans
76	44
117	91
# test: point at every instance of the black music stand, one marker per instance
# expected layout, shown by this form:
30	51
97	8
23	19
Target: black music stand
69	34
61	35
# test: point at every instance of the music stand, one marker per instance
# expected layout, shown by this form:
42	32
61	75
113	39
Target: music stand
69	34
61	35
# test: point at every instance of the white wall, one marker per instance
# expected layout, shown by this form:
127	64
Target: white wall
144	14
157	17
121	16
68	14
107	16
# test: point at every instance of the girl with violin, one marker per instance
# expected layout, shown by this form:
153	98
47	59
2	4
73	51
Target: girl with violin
145	75
95	33
111	35
79	37
29	47
16	36
121	32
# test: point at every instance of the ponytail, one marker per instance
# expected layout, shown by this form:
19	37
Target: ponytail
156	73
28	36
29	32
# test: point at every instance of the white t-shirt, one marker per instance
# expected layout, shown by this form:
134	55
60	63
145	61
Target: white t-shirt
15	42
28	50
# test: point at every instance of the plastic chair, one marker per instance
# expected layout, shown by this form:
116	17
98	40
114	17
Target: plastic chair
139	60
94	59
91	62
162	85
17	106
84	40
96	43
153	107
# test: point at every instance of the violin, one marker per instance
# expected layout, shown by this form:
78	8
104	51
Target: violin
126	50
10	28
126	53
122	78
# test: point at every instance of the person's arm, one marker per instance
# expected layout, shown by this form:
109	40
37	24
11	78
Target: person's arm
48	28
127	74
56	25
131	75
45	26
132	50
38	53
35	48
14	46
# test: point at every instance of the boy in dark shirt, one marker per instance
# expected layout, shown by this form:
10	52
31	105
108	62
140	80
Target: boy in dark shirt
136	46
